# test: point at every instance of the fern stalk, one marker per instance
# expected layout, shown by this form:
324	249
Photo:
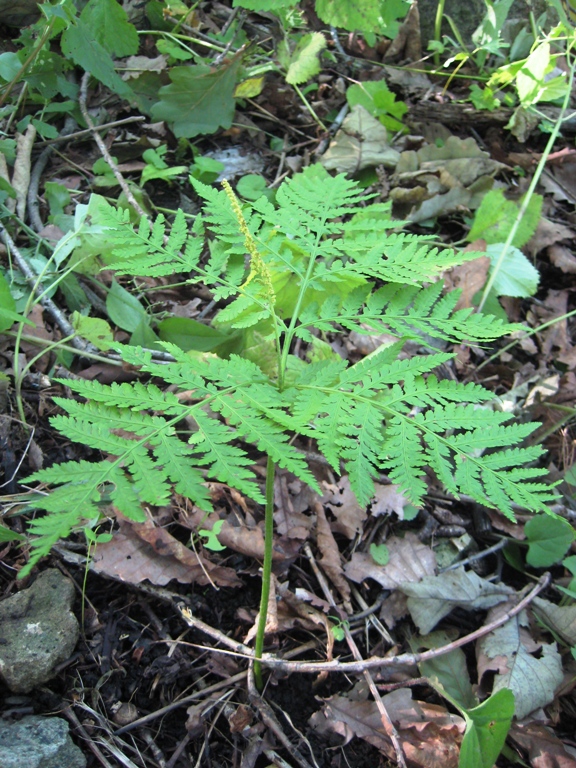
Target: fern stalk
266	572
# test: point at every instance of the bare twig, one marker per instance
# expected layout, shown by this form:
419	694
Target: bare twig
269	719
90	131
205	692
70	715
32	279
104	149
39	166
388	725
404	659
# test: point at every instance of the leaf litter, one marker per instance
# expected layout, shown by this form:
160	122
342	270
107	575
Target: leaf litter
524	655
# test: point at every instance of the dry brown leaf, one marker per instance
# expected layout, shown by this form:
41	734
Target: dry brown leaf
470	277
544	749
285	611
563	258
410	561
22	167
234	534
547	233
350	516
39	331
430	736
240	719
291	500
388	499
556	336
131	558
136	65
331	561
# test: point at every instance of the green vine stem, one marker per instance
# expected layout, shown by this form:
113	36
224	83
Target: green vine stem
531	189
266	571
438	29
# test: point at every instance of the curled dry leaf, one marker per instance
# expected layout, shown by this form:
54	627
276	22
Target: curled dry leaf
430	736
292	499
236	535
330	562
470	277
141	551
410	561
436	596
544	749
531	670
388	499
342	502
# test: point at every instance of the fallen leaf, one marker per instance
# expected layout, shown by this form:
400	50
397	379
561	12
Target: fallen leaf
436	596
469	277
430	736
410	561
531	670
330	561
547	233
292	522
563	258
362	142
350	516
130	558
561	619
544	749
240	537
388	499
136	65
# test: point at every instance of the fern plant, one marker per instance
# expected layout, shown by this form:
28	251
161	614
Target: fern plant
323	260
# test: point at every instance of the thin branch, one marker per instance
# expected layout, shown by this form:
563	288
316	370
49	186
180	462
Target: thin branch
104	149
31	278
90	131
388	725
405	659
269	719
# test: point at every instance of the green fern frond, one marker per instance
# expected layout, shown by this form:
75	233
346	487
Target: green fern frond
313	260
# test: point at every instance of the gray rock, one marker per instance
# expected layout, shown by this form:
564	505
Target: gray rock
38	742
18	13
37	631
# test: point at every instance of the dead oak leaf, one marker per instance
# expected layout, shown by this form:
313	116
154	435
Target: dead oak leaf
410	561
430	736
131	558
331	561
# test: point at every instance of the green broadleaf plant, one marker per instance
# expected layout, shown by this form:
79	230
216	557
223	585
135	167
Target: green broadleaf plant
321	261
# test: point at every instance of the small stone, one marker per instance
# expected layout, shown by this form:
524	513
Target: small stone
125	714
38	742
38	631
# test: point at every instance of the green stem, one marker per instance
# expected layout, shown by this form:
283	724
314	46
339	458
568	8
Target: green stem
266	571
438	29
495	269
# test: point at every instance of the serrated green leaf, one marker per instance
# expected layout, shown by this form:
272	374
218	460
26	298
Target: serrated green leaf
367	16
496	216
304	62
79	44
379	101
109	24
199	99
